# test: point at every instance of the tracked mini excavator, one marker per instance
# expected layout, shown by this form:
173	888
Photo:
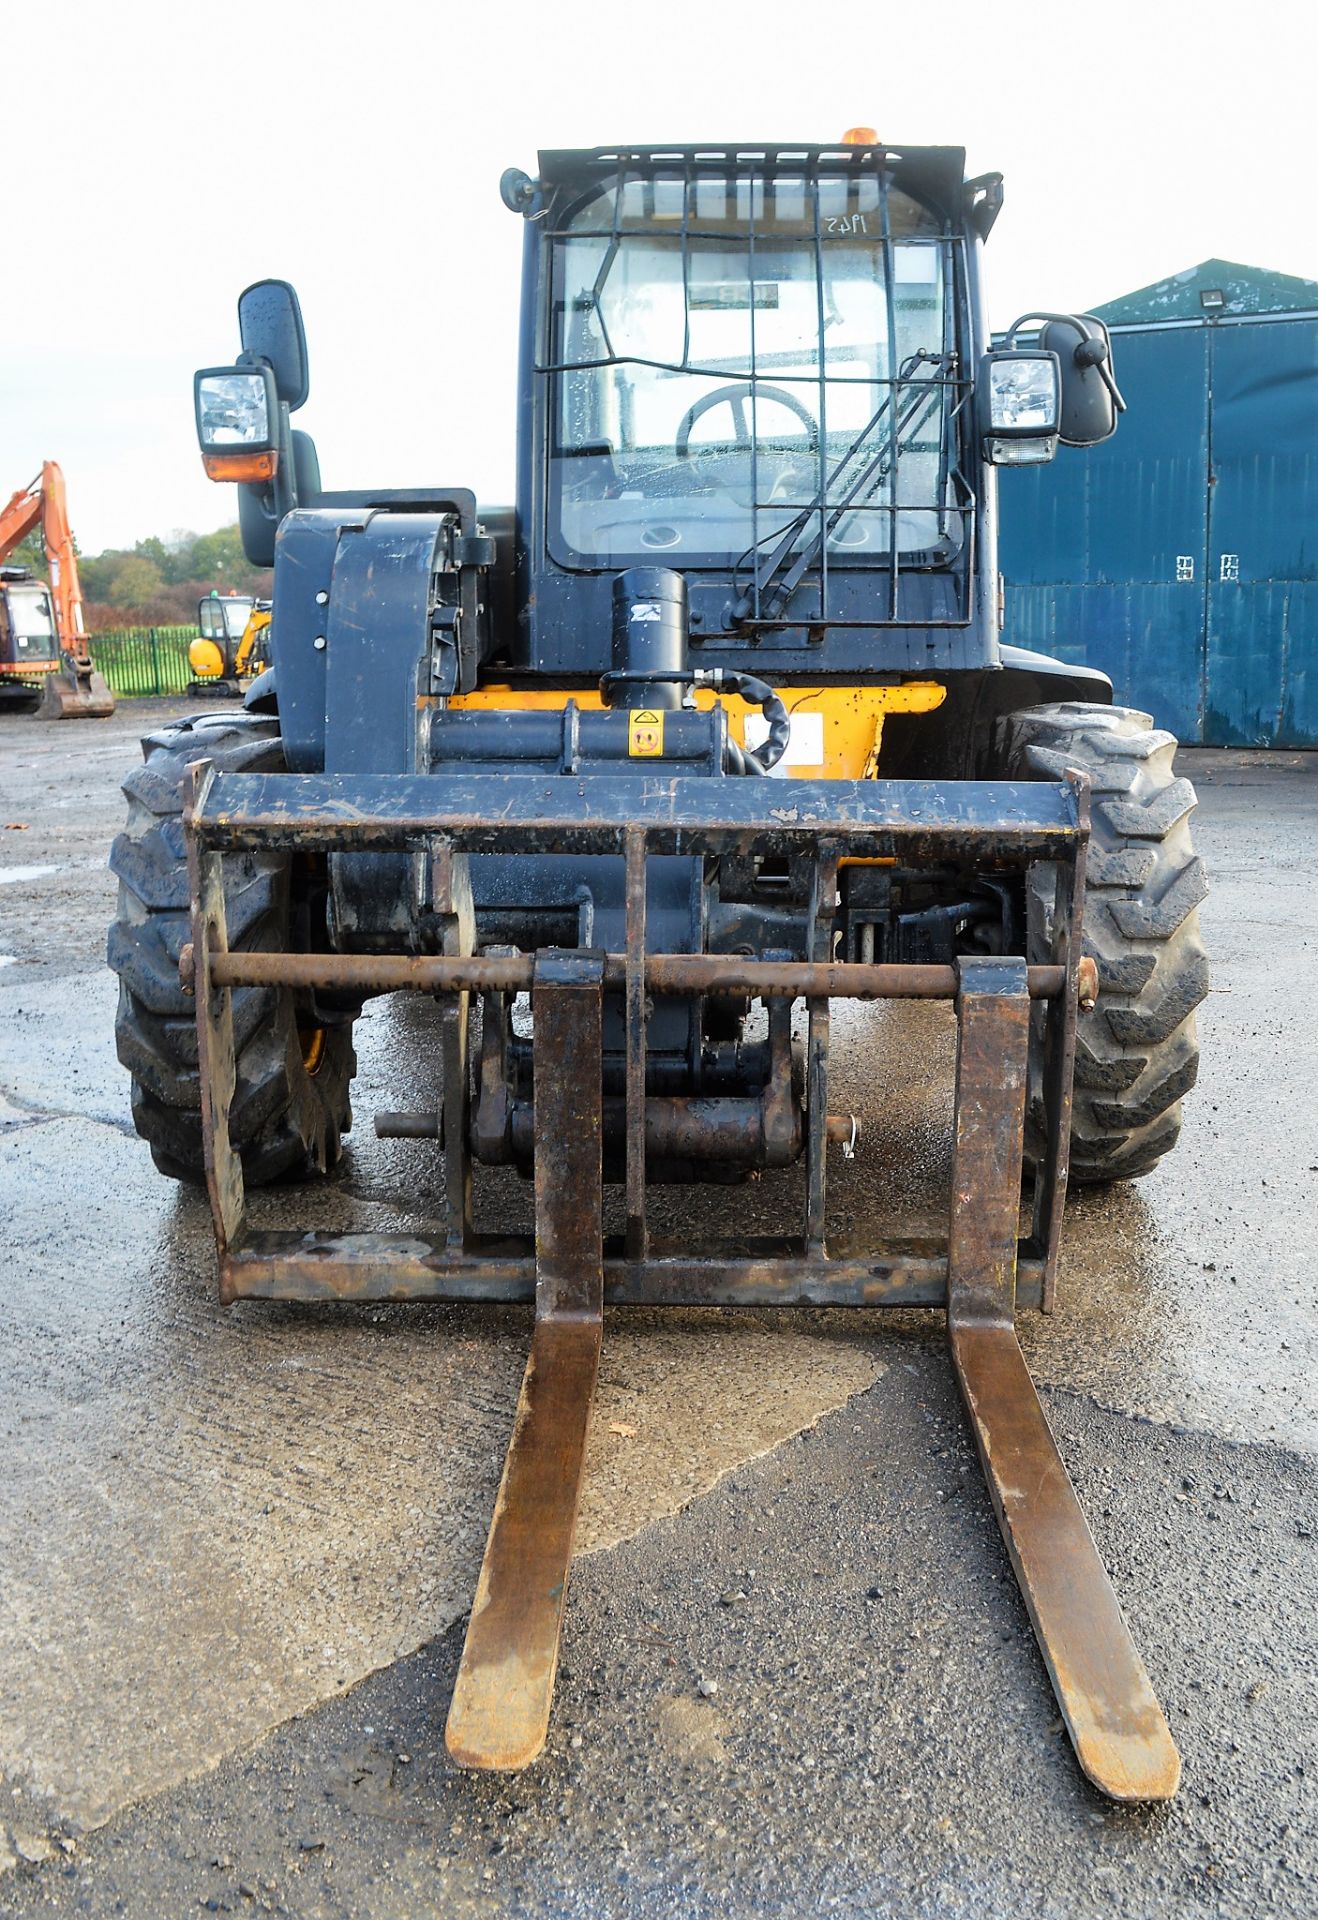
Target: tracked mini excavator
715	724
232	644
43	649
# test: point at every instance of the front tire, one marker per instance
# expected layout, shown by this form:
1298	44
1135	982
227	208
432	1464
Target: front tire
294	1062
1137	1052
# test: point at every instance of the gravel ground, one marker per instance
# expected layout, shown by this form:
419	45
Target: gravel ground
814	1691
798	1675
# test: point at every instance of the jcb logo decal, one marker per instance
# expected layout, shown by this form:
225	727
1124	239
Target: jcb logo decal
645	738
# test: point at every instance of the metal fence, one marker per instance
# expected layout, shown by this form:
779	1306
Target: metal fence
139	661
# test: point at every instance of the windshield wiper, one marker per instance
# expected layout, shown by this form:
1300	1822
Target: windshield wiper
911	415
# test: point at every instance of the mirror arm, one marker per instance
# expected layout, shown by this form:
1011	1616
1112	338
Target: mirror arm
283	487
1027	320
1106	376
285	480
1098	356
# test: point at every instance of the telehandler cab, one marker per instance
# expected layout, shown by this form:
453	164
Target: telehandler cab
718	714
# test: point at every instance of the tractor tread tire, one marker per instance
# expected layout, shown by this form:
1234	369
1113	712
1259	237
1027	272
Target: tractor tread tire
285	1121
1137	1052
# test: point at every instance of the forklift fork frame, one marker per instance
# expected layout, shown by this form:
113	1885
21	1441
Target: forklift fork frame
502	1699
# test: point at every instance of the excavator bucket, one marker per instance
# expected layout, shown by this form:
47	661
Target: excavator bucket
75	691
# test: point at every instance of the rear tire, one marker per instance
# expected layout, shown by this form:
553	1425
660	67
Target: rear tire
294	1064
1137	1053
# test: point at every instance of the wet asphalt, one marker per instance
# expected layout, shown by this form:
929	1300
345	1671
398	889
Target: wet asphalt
235	1548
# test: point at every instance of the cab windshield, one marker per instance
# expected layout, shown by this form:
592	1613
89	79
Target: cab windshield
749	368
224	616
30	618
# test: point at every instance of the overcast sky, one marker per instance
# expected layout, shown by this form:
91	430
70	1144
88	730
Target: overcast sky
161	156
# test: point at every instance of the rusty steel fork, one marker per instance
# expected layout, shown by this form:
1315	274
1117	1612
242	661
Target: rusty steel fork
499	1715
1117	1728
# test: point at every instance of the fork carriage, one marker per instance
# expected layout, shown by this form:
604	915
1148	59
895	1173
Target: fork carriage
977	1274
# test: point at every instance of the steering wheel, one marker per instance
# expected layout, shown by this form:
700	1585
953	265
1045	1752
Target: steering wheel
783	464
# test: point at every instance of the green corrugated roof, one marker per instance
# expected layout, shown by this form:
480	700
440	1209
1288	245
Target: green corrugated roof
1247	290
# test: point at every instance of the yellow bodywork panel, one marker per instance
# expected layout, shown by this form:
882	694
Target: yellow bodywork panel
206	660
836	731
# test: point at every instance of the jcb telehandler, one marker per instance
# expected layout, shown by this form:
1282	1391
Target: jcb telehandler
719	714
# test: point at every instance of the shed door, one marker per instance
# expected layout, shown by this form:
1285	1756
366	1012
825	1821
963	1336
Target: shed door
1261	666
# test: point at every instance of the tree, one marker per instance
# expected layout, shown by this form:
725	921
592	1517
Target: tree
136	580
30	552
154	550
219	557
97	571
161	580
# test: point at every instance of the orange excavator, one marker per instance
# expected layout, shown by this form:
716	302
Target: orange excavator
43	648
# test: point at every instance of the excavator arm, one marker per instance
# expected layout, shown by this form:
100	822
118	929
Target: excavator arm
22	512
253	640
62	559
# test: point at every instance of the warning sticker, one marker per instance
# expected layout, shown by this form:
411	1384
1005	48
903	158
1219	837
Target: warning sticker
645	736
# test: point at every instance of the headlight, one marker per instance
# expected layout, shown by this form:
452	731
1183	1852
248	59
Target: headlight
1020	404
233	410
1023	393
237	422
1020	453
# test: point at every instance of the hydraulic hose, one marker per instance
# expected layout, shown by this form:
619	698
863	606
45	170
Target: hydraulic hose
757	692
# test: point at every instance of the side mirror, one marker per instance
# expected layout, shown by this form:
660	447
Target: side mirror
270	323
243	417
1090	398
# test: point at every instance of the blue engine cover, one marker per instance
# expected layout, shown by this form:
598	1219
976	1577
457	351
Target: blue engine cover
355	592
354	595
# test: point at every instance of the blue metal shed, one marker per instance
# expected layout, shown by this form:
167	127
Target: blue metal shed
1181	556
